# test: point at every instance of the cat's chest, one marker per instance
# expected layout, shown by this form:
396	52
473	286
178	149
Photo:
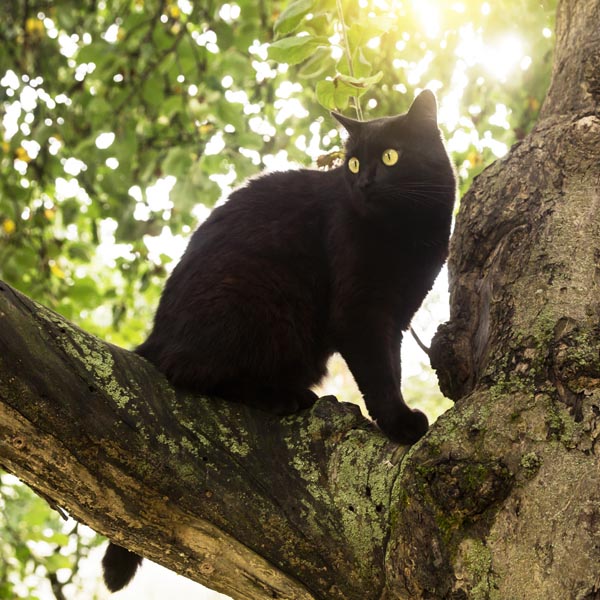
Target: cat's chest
383	267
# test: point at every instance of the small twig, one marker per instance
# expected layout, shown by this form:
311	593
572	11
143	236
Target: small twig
56	586
420	343
348	56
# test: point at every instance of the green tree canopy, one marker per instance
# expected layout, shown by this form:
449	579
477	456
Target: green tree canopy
103	100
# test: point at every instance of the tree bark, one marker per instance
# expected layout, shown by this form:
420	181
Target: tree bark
521	353
247	503
500	500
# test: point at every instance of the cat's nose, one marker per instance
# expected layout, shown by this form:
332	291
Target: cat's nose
365	181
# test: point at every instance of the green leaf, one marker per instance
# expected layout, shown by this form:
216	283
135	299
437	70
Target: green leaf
57	561
171	106
325	92
234	63
318	64
98	111
250	140
26	258
84	292
379	25
70	210
22	553
332	95
80	251
292	16
161	38
153	91
225	35
362	67
231	114
359	33
293	50
360	83
245	34
178	162
60	539
189	192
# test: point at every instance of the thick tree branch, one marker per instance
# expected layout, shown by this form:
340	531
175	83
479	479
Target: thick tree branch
247	503
521	351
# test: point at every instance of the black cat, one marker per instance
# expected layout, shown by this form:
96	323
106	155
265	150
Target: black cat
300	264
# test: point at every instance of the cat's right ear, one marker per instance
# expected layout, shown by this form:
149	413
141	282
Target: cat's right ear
352	126
424	107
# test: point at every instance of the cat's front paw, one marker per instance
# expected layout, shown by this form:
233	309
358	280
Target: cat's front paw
405	429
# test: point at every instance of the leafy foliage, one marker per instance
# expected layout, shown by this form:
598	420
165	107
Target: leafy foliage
124	122
102	100
36	544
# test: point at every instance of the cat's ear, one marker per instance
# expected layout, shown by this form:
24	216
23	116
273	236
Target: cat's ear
352	126
424	107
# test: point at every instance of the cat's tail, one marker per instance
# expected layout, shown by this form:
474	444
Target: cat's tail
119	566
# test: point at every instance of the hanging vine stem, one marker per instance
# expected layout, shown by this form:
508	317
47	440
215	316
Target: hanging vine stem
340	11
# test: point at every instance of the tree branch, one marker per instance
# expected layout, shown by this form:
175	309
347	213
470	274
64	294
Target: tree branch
247	503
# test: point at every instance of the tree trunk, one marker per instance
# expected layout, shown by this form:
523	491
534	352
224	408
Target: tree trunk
521	353
500	500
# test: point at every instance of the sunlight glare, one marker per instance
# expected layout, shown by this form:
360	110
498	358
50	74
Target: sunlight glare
461	141
499	149
499	58
288	108
229	12
429	16
185	6
108	250
104	140
500	117
215	145
415	71
111	34
157	195
168	244
336	46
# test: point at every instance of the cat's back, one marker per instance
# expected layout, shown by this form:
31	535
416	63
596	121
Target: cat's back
249	298
268	238
273	209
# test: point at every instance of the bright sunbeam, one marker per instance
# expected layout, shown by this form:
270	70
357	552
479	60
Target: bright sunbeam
498	58
429	15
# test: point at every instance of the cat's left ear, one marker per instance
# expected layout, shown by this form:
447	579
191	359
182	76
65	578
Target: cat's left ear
352	126
424	107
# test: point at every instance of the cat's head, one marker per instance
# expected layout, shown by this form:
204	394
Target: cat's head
398	163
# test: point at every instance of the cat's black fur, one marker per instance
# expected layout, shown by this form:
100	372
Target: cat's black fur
300	264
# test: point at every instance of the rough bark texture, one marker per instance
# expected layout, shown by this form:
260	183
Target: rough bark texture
521	354
500	500
249	504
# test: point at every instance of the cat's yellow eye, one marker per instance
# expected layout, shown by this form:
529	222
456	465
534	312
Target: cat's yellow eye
389	157
354	165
